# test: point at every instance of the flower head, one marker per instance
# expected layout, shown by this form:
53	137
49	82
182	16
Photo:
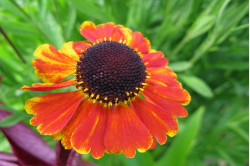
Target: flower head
126	98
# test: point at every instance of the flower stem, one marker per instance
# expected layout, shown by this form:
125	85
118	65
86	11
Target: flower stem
12	45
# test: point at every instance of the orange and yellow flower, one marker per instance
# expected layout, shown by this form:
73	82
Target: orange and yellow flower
126	96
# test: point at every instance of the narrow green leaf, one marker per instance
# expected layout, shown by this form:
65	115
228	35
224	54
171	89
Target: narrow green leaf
203	24
19	28
197	85
180	66
182	144
239	132
52	30
11	6
231	17
89	8
70	21
221	152
12	120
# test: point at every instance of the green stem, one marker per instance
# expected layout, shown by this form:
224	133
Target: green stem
12	45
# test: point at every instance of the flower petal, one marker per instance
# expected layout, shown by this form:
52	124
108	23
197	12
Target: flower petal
171	106
166	71
125	131
122	33
80	115
156	119
51	72
88	30
81	46
53	111
104	32
158	79
155	59
49	86
153	144
90	133
70	50
173	93
140	43
52	65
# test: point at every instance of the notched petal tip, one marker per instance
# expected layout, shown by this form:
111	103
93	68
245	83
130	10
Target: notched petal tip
40	49
125	132
68	50
25	88
87	25
52	65
53	111
30	103
140	43
188	98
88	136
158	121
172	133
105	32
87	30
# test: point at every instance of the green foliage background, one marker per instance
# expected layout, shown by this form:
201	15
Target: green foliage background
206	42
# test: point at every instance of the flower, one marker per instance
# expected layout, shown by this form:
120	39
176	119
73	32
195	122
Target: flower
126	98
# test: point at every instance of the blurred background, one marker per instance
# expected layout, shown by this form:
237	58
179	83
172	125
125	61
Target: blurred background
205	41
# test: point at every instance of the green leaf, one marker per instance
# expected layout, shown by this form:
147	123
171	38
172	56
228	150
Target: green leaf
13	8
20	28
203	24
197	85
180	66
52	30
70	21
230	18
13	119
239	132
89	8
182	144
